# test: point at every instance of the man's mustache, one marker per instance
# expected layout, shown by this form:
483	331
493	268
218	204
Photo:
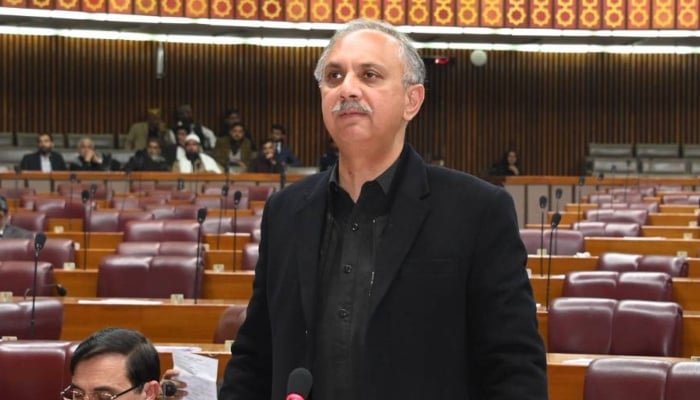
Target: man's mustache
351	106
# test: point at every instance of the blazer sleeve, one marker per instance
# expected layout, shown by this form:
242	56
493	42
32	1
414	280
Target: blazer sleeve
59	164
248	375
509	354
25	164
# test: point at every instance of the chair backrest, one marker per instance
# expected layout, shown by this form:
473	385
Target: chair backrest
67	189
246	223
124	276
56	251
132	215
580	325
15	249
34	369
174	274
651	286
683	381
260	192
625	379
213	224
57	207
674	266
143	231
16	193
186	249
214	202
601	284
15	319
249	259
565	242
647	328
618	215
115	220
29	220
229	322
620	262
622	229
590	228
533	239
18	277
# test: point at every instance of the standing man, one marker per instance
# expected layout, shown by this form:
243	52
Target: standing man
386	277
44	159
152	127
8	231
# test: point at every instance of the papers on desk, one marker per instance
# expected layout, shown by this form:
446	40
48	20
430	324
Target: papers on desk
172	349
121	302
199	372
578	361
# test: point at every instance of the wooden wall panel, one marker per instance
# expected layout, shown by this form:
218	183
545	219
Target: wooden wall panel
546	106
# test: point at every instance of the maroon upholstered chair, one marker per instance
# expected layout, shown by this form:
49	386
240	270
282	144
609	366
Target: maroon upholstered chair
651	286
103	221
675	199
161	211
126	203
260	192
620	262
132	215
600	198
12	193
186	211
215	188
29	220
211	224
617	215
174	274
64	189
58	207
602	284
257	234
533	239
590	228
647	328
683	381
143	231
674	266
565	242
56	251
188	249
15	320
124	276
580	325
229	322
625	379
214	202
34	369
15	249
246	223
622	229
18	277
249	258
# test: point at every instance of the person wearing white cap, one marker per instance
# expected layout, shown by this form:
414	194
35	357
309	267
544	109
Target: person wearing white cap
195	160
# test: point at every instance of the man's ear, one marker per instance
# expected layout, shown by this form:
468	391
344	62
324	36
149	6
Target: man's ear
152	390
415	95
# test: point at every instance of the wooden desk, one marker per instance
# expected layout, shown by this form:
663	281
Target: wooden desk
98	240
686	291
215	285
691	331
678	208
672	219
225	241
564	264
165	322
641	245
671	232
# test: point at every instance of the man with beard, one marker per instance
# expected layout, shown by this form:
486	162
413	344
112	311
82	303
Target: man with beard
149	159
44	159
185	119
195	160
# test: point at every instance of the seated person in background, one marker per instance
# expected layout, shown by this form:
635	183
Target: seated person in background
267	160
152	127
279	138
235	149
508	165
233	116
176	151
44	159
90	160
8	231
195	160
330	157
150	159
119	363
184	119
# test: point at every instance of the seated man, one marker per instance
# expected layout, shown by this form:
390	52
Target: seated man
285	153
267	160
44	159
90	160
150	159
116	362
195	160
8	231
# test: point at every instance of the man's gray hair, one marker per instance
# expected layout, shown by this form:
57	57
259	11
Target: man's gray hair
414	68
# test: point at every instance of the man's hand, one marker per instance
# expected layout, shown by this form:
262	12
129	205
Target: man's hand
169	381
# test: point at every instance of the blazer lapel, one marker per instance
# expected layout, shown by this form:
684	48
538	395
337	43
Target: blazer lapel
310	220
406	217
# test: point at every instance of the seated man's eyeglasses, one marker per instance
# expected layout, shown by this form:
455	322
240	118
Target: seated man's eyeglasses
74	393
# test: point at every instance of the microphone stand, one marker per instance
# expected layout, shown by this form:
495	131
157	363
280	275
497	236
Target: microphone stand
17	170
581	182
627	176
600	179
223	202
236	201
73	179
543	205
201	216
557	195
39	242
556	218
85	198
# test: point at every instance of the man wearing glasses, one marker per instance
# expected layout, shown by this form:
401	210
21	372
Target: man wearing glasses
116	363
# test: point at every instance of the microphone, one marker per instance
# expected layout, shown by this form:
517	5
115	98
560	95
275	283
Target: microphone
17	171
236	201
299	384
85	196
127	186
557	195
180	184
39	242
601	176
627	176
201	216
60	289
613	170
169	388
73	180
543	206
556	218
222	207
581	182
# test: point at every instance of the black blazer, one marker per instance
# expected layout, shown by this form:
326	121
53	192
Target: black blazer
451	315
32	162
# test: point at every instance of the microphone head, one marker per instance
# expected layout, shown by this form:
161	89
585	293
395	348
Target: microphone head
73	178
581	180
224	190
556	219
543	202
237	197
39	241
601	176
16	167
613	168
85	195
93	189
201	215
180	184
558	193
169	388
299	383
61	290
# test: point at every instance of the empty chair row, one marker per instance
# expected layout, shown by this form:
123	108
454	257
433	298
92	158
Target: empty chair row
564	242
641	379
189	249
56	251
643	150
636	216
621	327
16	321
149	277
652	286
607	229
625	262
174	230
18	277
690	199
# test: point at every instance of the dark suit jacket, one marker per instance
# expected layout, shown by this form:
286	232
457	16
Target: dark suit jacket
15	232
32	162
451	314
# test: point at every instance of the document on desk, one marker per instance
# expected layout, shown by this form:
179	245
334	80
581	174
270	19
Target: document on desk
199	372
